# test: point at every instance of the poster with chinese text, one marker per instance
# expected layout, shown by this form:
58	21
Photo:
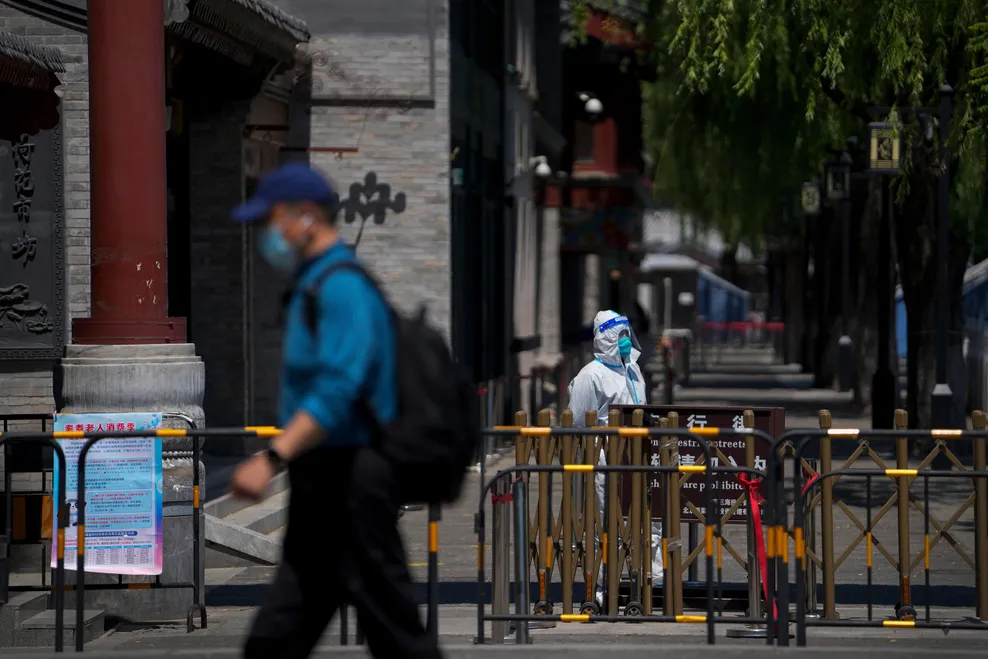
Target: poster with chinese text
123	494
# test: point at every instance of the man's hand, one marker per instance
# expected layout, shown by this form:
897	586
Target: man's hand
252	477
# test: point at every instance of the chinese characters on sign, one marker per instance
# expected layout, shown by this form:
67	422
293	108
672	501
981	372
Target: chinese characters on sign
123	494
31	247
726	450
25	247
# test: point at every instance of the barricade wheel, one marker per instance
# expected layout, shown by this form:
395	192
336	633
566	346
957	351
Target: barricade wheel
905	613
543	608
634	609
590	609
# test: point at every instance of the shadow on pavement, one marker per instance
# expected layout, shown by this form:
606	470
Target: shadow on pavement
465	592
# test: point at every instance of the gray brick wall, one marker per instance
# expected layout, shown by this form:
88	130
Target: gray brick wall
365	48
382	49
27	387
549	311
593	283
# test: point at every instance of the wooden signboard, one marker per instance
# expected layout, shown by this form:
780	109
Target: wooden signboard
727	450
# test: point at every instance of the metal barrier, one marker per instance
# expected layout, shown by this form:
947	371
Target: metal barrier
120	585
620	542
608	544
552	522
196	433
803	622
902	475
9	537
829	561
62	517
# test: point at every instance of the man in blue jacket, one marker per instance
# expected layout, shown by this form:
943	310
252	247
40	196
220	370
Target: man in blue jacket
342	543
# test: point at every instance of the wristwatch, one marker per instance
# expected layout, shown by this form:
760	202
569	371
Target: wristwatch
274	458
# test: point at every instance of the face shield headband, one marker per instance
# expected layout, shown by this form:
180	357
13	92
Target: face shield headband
624	329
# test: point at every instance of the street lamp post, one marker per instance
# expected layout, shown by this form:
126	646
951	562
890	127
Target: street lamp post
884	159
942	403
839	194
810	201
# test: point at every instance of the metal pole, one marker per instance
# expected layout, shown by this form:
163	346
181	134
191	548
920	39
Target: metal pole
811	580
751	556
844	343
905	610
7	538
500	577
942	395
883	382
827	519
435	516
980	422
667	304
521	560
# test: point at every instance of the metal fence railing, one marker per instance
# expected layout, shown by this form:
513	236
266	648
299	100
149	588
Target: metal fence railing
582	504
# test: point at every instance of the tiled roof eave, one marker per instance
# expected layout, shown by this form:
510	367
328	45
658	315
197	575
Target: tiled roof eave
257	24
38	59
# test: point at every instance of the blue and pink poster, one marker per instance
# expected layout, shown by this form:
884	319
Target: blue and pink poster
123	494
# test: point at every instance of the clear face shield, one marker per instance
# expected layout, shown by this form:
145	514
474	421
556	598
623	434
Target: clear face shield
624	330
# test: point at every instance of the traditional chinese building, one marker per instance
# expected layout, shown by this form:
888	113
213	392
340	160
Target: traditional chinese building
601	202
431	116
30	252
159	101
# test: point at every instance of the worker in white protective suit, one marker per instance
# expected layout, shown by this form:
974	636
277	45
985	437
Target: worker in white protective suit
612	378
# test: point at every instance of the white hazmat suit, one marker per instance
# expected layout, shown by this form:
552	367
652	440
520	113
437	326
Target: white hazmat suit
610	380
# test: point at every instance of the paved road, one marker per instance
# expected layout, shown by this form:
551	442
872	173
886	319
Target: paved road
581	651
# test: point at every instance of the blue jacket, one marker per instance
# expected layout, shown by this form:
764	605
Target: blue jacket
351	353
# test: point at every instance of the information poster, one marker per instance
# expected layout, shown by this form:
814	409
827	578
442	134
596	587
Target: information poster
123	494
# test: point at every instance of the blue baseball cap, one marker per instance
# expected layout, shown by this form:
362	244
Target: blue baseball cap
293	182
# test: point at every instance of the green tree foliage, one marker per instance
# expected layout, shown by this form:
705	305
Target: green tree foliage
751	93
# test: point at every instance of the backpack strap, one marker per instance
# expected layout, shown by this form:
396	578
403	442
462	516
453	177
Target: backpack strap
311	313
311	292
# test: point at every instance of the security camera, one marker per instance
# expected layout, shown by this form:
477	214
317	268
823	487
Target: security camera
541	167
593	106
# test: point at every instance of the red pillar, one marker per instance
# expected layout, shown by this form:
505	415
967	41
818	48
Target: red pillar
128	217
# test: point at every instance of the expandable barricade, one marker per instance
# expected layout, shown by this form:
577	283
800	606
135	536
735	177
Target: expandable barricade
580	543
820	486
585	544
620	542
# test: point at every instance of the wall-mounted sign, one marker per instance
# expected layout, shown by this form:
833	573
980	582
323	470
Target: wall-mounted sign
728	451
32	282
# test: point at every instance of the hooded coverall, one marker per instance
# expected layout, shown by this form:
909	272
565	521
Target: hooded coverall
609	380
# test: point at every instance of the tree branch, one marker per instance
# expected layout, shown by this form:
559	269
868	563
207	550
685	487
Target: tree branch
857	107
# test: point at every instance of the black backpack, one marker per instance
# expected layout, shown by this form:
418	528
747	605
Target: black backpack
436	432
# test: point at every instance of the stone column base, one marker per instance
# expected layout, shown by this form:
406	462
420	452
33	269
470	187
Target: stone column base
166	378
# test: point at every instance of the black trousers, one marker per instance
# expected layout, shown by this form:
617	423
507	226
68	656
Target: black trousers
341	546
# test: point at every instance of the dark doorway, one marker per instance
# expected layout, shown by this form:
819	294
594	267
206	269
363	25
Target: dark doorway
179	228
